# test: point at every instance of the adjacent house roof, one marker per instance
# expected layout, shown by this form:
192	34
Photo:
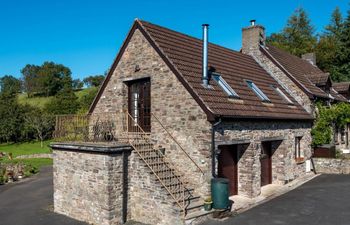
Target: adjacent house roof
319	79
337	96
305	75
183	55
342	87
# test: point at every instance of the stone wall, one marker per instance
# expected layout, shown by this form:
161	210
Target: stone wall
148	201
88	186
37	156
284	166
332	166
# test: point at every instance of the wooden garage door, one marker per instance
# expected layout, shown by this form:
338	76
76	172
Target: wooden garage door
266	164
227	166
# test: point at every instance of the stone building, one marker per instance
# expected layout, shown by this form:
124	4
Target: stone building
342	88
184	111
300	77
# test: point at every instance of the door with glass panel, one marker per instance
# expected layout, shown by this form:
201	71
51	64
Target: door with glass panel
139	104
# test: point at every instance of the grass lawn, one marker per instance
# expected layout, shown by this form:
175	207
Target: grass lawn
37	163
26	148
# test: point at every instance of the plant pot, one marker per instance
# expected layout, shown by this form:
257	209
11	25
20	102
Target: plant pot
208	206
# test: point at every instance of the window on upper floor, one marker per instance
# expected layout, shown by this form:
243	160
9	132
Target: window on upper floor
280	92
257	91
224	85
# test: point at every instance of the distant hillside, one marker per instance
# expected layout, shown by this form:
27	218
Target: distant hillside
41	101
35	101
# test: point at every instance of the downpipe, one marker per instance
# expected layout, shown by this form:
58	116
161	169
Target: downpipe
213	150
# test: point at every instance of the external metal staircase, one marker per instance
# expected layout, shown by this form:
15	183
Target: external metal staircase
164	171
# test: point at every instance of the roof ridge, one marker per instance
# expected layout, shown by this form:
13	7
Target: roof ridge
296	57
193	37
303	73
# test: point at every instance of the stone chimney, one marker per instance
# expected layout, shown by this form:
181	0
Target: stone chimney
310	57
252	37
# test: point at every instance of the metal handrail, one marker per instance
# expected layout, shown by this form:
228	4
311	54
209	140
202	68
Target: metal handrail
183	150
182	186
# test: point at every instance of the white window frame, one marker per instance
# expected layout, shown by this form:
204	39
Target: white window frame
224	85
298	153
258	91
284	96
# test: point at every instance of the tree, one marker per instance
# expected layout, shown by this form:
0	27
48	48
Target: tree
53	77
65	102
77	84
329	44
86	100
40	122
11	118
47	79
298	35
94	81
10	84
342	60
30	79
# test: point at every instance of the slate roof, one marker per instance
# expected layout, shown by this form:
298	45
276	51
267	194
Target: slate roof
319	79
183	55
342	87
337	96
300	71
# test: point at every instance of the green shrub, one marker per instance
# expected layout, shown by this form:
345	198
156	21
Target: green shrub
337	115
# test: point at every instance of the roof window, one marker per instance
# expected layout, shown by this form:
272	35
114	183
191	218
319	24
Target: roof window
224	85
280	92
257	91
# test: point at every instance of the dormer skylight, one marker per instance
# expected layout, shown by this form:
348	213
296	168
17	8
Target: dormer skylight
280	92
224	85
257	91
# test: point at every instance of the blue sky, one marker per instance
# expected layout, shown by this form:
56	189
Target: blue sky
86	35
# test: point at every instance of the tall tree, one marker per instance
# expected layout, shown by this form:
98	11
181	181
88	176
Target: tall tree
30	79
94	81
335	28
343	53
329	44
47	79
10	84
297	37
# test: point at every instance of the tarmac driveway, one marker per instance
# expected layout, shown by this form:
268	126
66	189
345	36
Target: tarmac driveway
324	200
30	202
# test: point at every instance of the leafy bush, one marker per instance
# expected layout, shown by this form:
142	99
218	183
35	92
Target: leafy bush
86	100
338	115
2	175
65	102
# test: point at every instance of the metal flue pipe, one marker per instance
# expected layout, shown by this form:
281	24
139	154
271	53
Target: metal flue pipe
205	78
